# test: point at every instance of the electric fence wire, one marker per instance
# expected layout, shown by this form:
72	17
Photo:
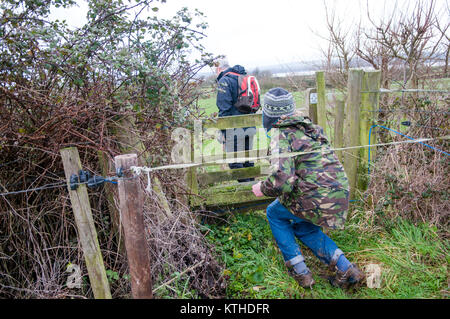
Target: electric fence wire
406	111
383	90
387	128
61	183
7	163
405	123
138	169
47	186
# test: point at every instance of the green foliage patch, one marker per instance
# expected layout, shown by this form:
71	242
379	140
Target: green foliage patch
412	257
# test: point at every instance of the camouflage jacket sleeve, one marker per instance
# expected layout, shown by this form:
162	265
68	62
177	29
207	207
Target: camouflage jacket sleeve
282	177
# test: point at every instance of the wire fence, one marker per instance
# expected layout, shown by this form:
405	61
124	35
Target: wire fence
64	183
138	170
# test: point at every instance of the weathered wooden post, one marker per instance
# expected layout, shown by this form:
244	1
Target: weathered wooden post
311	103
191	173
351	126
111	194
85	225
369	106
129	142
131	212
321	101
339	127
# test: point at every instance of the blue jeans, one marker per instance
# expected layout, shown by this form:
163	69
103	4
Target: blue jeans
286	226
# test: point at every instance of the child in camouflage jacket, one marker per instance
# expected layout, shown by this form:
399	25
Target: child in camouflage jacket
311	188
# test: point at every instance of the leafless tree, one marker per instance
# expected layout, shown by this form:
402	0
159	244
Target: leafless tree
443	27
409	36
340	50
405	43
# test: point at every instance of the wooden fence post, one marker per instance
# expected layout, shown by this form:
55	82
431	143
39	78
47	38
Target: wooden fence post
131	212
321	101
339	127
311	104
85	225
191	173
111	194
369	106
129	142
351	127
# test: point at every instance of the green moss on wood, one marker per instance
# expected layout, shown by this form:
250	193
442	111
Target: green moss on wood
234	121
227	175
226	195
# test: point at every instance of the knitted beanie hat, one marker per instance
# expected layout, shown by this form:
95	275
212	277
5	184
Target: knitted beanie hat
278	102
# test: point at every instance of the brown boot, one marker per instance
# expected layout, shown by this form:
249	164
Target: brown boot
304	280
352	277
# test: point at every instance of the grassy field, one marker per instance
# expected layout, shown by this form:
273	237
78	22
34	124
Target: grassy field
209	104
412	258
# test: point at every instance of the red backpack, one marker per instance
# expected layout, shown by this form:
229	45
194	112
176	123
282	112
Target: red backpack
248	99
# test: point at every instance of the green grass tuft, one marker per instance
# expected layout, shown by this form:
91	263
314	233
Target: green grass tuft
412	257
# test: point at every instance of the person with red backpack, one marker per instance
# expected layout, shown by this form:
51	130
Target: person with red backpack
237	94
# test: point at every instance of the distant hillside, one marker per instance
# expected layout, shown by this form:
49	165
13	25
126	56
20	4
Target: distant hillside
290	67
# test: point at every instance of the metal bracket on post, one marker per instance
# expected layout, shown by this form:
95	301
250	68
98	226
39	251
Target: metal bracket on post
84	176
92	181
74	181
119	172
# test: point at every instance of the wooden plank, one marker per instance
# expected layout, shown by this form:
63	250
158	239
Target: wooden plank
130	142
321	100
158	189
85	226
227	195
125	132
111	194
339	127
236	121
191	174
227	175
242	207
311	107
131	212
191	182
351	126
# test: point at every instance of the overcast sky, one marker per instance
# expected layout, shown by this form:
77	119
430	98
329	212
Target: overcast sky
264	32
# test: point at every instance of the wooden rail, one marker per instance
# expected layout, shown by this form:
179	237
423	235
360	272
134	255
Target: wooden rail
351	128
207	196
